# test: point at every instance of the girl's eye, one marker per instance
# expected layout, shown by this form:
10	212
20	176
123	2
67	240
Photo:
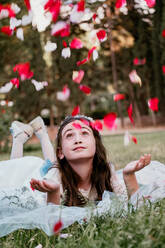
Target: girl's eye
69	135
85	133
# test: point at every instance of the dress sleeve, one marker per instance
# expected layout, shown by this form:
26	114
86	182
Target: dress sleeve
118	187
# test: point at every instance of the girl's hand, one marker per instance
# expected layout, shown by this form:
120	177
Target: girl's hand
134	166
44	185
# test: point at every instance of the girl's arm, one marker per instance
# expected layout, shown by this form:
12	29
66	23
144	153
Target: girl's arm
129	173
50	187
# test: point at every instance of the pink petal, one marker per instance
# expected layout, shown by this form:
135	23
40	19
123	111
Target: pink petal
151	3
101	35
153	103
53	6
134	77
109	120
81	5
76	44
130	113
57	227
85	122
118	97
15	81
120	3
134	139
85	89
76	125
82	62
76	110
78	76
27	3
90	52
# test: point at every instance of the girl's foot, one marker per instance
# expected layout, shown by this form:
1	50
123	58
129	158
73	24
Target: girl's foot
38	126
20	131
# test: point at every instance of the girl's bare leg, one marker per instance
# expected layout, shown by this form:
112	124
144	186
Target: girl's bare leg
41	133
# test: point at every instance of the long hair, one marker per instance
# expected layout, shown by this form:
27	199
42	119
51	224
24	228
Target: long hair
100	176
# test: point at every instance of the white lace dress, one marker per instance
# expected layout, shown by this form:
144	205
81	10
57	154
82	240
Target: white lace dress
21	207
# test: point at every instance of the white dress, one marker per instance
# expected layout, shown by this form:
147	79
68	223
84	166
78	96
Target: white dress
21	207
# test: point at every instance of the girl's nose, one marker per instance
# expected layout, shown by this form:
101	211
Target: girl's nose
78	139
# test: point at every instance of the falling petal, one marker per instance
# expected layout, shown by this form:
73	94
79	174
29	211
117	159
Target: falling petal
81	5
7	30
151	3
27	3
109	120
64	94
23	70
76	110
76	125
53	6
126	138
163	33
120	3
66	52
76	44
39	85
14	22
134	139
19	33
134	77
130	113
82	62
163	69
15	81
137	61
6	88
85	89
101	35
27	19
153	103
75	15
50	46
118	97
94	16
95	55
90	52
60	28
78	76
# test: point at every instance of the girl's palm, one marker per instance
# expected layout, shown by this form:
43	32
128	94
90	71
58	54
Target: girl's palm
44	185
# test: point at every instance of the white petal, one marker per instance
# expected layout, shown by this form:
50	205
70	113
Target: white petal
50	46
126	138
4	13
19	33
66	53
6	88
76	16
14	22
27	19
39	85
15	8
95	55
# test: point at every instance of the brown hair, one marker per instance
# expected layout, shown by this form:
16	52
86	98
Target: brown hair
100	177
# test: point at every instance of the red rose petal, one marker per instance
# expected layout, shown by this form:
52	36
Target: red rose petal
118	97
85	89
153	103
120	3
130	113
81	5
57	227
76	125
109	120
134	139
76	110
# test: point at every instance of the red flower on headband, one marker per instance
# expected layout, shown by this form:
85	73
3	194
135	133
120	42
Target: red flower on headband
76	110
76	125
57	227
97	125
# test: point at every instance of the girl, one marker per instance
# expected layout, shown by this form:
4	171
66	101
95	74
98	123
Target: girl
80	174
82	169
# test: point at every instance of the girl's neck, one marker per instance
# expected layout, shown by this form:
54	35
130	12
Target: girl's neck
84	170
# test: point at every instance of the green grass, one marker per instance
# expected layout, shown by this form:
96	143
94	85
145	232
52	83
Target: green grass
142	228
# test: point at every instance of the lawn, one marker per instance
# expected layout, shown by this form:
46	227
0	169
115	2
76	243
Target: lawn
142	228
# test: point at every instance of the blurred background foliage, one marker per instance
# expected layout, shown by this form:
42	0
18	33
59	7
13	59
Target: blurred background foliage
135	34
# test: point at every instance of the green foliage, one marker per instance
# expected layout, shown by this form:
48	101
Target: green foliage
5	121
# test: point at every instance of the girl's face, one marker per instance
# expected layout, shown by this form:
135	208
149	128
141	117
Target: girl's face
77	142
